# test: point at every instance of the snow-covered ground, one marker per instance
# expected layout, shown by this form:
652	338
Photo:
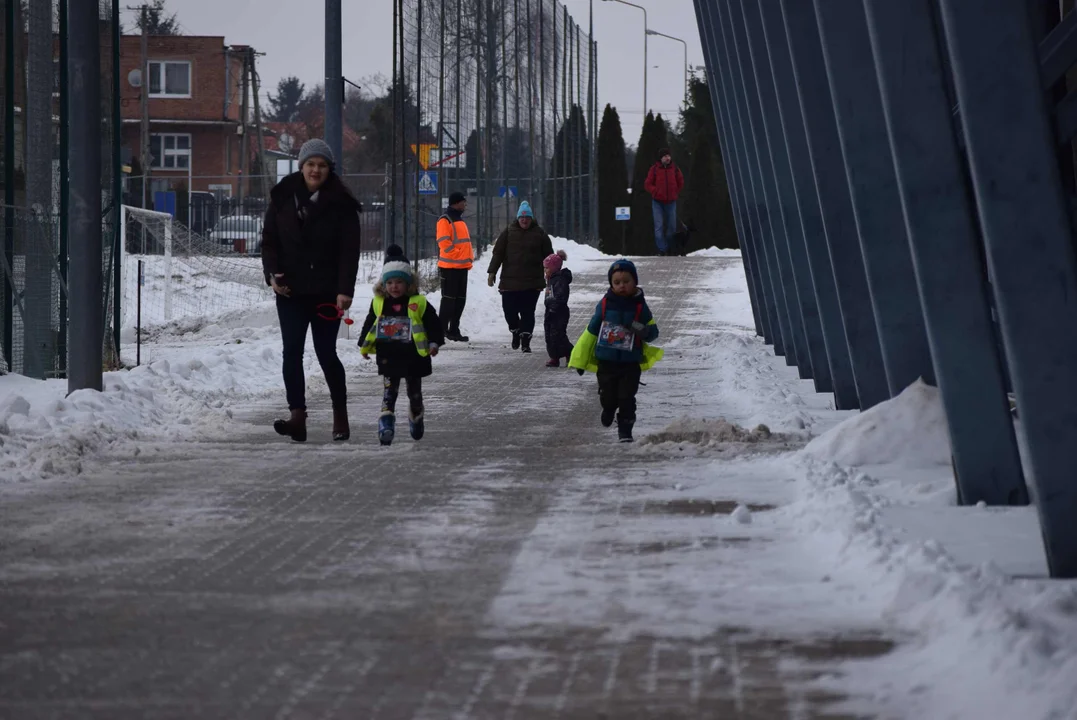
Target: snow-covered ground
869	495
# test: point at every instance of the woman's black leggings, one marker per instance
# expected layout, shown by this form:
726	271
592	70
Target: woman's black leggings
296	313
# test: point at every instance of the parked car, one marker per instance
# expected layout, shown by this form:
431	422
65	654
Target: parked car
242	233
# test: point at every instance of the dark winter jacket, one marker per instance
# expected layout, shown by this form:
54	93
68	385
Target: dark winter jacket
622	316
401	359
519	253
318	255
664	183
557	290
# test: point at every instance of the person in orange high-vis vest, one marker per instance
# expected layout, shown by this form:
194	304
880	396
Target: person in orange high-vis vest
455	257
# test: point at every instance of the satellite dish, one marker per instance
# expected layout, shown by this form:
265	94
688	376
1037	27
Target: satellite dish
134	78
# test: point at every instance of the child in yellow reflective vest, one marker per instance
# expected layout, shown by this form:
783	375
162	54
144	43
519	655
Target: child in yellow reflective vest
403	331
614	346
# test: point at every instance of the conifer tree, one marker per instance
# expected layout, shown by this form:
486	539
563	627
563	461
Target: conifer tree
612	181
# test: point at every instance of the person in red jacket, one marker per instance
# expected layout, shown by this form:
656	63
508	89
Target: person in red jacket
664	183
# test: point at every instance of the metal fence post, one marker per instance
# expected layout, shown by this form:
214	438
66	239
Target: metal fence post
85	281
779	321
1029	245
832	187
746	189
817	254
815	365
334	83
945	252
858	108
796	352
729	163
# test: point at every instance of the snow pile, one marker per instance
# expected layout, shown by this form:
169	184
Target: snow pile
1006	647
703	431
716	252
909	430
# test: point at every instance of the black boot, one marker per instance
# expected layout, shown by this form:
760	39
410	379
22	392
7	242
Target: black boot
515	339
624	430
294	427
525	342
341	430
607	417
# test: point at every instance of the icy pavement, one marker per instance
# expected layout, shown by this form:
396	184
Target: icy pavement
517	563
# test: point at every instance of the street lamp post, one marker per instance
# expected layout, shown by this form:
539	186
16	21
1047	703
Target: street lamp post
645	33
682	42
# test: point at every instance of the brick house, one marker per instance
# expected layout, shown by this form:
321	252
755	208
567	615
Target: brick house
195	101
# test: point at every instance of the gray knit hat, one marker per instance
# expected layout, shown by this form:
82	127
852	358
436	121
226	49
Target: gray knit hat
315	148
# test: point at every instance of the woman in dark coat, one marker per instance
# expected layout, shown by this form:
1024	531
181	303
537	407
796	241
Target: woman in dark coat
310	256
518	253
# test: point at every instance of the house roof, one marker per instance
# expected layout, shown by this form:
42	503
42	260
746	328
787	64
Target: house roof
297	133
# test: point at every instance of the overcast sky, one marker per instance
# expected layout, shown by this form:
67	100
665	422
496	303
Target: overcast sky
292	37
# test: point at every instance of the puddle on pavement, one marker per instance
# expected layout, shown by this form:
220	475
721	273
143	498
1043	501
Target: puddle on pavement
662	546
690	506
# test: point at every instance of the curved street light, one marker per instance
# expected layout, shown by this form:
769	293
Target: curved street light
645	33
682	42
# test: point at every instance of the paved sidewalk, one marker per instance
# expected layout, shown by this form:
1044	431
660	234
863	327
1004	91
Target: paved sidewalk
254	578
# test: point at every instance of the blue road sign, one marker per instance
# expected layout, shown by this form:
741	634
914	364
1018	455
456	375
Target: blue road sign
428	183
510	190
623	213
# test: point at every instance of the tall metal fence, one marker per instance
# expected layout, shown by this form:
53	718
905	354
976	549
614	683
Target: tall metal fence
895	174
33	182
496	99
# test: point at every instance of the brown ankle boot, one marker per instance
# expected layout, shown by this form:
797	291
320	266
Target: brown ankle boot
341	431
294	427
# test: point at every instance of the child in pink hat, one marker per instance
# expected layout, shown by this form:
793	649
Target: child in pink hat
558	279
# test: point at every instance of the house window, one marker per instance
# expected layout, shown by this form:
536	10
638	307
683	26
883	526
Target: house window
171	152
170	79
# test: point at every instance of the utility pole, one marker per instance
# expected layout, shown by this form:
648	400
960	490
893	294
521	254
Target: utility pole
244	146
85	282
334	81
264	171
144	105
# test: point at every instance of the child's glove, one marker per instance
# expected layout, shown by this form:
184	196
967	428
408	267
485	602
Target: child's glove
433	349
638	326
365	356
580	371
491	279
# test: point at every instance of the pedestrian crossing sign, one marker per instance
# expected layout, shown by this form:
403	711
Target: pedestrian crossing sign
428	183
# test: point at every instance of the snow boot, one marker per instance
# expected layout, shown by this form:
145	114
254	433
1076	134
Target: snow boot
417	426
455	336
553	362
341	429
386	428
525	342
624	431
294	427
607	417
515	339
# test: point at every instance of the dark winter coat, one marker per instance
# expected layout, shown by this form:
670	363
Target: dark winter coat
320	254
624	312
519	253
401	359
557	290
664	183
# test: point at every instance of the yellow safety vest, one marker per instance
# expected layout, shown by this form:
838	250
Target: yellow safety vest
416	310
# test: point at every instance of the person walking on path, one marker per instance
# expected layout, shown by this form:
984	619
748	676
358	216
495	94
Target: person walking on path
664	182
310	257
455	258
518	253
555	322
615	347
404	332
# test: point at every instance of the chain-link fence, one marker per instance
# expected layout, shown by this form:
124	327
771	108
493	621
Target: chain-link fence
496	99
33	181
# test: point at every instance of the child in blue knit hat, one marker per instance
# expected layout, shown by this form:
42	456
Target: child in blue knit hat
404	332
615	347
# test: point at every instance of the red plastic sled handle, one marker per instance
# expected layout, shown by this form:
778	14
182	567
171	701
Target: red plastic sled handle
333	313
